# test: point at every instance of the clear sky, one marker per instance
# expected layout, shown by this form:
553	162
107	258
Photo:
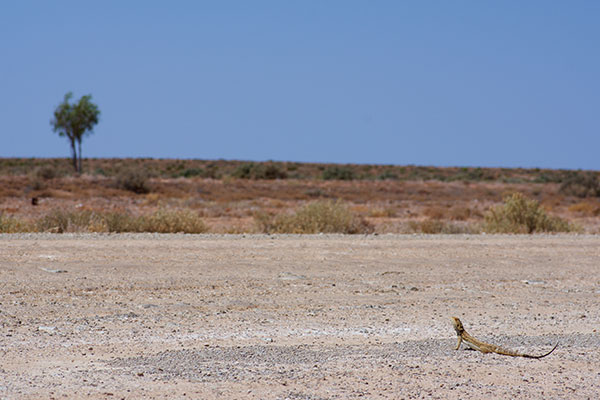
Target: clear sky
507	83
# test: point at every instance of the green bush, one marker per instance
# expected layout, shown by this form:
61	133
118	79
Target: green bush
210	171
471	175
388	174
259	171
581	184
192	172
519	214
324	216
339	173
272	171
134	179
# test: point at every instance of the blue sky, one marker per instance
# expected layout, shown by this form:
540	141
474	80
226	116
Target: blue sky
444	83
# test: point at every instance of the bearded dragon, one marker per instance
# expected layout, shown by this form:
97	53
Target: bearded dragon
483	347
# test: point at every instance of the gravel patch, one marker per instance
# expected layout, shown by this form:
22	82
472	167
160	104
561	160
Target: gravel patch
296	317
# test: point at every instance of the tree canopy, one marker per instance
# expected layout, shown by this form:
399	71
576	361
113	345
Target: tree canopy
74	121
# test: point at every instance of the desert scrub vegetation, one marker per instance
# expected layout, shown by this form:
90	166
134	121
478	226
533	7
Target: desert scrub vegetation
338	172
221	169
45	172
210	171
172	221
259	171
519	214
324	216
61	221
387	174
586	208
581	184
134	179
10	224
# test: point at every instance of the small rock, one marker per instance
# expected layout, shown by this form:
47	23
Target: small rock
53	271
288	276
47	329
533	282
147	306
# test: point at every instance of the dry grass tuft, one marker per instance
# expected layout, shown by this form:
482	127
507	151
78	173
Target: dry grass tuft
161	221
13	225
60	221
324	216
519	214
172	221
379	212
586	208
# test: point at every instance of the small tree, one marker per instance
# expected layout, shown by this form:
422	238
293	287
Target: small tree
74	121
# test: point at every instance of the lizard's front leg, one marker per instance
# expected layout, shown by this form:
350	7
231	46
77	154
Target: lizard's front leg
459	342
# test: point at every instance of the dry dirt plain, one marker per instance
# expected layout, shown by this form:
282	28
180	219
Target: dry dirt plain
296	317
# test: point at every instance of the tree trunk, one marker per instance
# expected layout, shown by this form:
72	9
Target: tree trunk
73	154
79	166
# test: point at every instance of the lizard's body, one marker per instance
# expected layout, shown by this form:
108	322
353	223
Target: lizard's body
483	347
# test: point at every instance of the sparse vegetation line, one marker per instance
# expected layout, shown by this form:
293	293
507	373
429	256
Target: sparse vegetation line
121	195
581	183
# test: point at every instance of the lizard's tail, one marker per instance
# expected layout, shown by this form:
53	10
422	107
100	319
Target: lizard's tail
543	355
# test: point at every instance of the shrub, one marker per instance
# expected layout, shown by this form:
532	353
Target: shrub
171	221
39	177
161	221
337	172
45	172
379	212
117	222
388	175
272	171
519	214
243	171
472	175
210	171
12	225
259	171
318	217
134	179
549	177
60	221
581	184
192	172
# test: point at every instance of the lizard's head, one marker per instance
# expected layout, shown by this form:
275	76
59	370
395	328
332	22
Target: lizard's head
458	326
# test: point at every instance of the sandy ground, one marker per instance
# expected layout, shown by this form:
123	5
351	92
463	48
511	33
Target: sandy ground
296	317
